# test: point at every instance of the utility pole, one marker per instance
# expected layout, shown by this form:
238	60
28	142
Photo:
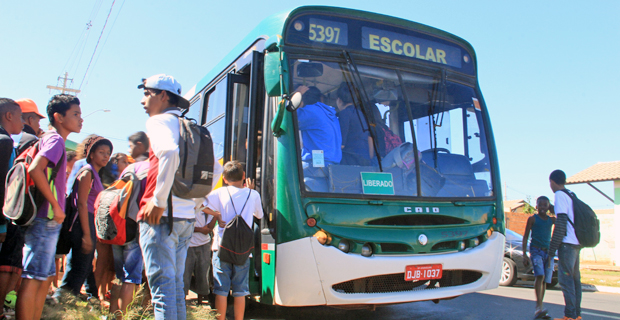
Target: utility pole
64	88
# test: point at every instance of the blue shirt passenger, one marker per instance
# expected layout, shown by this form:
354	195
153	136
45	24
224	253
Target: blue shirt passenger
319	126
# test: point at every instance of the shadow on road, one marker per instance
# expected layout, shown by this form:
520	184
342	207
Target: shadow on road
473	306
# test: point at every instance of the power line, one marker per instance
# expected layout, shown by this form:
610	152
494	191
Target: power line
95	51
107	37
80	45
82	35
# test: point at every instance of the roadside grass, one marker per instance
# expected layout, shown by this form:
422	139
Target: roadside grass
600	277
73	308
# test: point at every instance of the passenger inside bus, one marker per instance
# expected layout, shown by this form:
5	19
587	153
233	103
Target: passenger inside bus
357	145
320	130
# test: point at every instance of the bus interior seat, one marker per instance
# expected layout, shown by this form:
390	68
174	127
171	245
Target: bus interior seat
458	172
347	179
315	179
404	183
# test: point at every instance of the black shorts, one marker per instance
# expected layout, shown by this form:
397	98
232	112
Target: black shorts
12	249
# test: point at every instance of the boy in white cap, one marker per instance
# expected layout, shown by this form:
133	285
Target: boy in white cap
164	241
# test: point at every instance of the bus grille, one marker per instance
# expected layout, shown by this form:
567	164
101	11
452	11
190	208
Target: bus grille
396	282
446	245
417	220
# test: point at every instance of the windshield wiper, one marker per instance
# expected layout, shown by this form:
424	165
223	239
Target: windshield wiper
437	97
363	101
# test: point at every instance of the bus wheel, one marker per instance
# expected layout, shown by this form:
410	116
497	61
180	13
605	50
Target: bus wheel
509	273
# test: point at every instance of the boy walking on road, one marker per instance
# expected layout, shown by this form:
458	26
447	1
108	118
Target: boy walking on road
164	237
224	203
41	236
540	225
565	242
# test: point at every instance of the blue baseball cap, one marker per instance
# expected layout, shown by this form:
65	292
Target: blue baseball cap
166	83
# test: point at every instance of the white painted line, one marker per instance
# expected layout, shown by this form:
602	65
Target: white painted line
599	315
607	289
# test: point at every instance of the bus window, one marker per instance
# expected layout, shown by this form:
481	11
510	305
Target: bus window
448	129
217	130
383	106
239	118
194	112
215	101
215	107
268	175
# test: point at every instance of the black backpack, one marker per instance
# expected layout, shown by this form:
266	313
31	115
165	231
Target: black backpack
194	177
63	245
238	240
586	224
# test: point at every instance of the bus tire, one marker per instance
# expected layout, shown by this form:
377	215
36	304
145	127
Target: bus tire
509	273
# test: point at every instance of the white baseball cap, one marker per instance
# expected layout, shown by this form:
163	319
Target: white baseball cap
166	83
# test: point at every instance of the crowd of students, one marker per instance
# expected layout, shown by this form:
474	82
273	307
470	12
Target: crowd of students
172	254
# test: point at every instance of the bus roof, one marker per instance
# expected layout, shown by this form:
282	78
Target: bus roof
271	30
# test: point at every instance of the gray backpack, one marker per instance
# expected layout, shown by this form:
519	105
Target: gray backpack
194	177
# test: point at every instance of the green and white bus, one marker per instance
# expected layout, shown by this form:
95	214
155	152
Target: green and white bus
421	218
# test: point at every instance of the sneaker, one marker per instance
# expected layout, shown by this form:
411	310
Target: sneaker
9	312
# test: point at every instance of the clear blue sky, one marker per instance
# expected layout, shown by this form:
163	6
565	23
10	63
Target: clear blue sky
548	70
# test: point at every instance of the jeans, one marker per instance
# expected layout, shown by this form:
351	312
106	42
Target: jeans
164	259
79	264
570	279
540	263
40	249
128	262
227	275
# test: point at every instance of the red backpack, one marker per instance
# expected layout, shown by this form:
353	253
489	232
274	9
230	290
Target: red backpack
117	206
22	199
391	140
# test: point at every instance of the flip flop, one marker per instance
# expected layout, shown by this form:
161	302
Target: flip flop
541	314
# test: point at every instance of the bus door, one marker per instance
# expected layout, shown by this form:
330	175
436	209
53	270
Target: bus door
246	99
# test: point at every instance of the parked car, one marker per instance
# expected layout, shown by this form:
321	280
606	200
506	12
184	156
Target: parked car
512	266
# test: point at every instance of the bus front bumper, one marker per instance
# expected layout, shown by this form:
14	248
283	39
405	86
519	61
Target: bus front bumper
306	272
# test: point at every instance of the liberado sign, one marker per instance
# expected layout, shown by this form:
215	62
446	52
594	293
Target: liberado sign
377	183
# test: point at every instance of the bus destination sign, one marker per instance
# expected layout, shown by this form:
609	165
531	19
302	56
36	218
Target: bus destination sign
328	32
409	46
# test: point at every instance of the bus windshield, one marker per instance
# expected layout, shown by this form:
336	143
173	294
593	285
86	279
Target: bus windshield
370	130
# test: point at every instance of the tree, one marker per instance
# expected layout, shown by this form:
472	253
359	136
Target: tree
528	208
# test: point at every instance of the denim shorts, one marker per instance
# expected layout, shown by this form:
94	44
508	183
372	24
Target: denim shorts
128	263
41	239
541	266
226	275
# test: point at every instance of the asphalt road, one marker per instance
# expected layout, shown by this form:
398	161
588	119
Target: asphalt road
504	303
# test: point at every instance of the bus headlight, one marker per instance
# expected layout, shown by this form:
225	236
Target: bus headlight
367	250
462	245
323	237
476	242
344	246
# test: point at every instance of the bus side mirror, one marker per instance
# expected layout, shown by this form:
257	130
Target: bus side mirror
276	74
294	101
289	103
